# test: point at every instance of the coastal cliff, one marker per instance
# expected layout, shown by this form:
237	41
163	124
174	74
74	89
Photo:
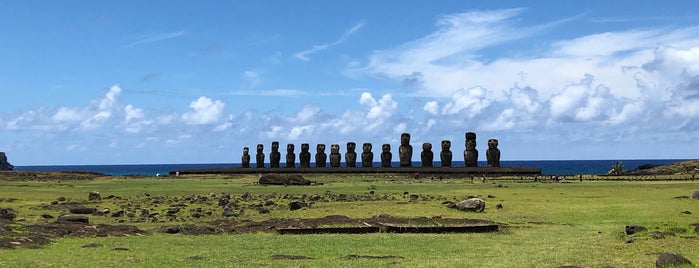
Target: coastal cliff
4	165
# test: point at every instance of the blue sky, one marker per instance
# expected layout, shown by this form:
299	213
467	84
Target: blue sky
128	82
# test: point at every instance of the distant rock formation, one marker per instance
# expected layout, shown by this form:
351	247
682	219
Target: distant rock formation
4	165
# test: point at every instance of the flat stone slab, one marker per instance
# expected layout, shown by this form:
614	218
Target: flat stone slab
476	171
424	229
330	230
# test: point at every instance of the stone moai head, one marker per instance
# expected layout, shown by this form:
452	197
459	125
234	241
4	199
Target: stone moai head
405	139
427	146
351	146
275	146
366	147
493	143
305	147
446	145
246	150
470	141
320	148
386	148
289	148
260	148
334	148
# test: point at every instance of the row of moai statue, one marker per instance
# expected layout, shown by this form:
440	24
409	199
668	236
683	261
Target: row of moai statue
405	154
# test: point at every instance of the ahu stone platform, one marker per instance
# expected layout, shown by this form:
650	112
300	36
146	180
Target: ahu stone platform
422	171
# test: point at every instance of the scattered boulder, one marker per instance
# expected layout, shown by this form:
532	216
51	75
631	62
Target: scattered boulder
671	259
296	205
283	179
632	229
7	214
695	195
471	204
73	219
82	210
94	196
4	165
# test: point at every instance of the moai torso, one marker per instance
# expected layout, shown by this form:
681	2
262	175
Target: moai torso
290	156
445	155
351	155
405	151
321	157
335	156
471	154
275	156
260	156
386	156
427	156
305	155
367	155
245	160
493	153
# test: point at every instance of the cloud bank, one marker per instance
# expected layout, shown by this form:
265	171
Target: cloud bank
634	90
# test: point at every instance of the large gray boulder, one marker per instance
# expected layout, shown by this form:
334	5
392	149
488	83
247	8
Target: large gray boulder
672	259
471	204
4	165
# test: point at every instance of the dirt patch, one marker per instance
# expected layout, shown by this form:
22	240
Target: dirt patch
14	235
271	225
290	257
353	256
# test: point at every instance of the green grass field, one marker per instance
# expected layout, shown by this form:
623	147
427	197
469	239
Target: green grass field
546	224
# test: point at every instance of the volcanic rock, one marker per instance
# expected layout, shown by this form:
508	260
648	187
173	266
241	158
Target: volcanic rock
671	259
4	165
471	204
7	214
632	229
73	219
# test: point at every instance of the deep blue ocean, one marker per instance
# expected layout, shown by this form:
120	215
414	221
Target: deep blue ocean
551	167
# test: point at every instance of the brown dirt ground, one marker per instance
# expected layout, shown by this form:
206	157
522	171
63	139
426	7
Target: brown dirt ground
14	234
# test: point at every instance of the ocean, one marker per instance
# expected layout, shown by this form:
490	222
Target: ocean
548	167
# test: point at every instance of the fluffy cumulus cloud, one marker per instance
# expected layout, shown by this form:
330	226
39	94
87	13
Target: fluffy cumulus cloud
204	111
638	80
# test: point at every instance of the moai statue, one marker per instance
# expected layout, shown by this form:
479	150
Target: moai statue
386	155
335	156
351	155
275	157
290	156
260	156
321	157
405	151
367	155
471	154
245	160
305	155
445	155
493	153
427	156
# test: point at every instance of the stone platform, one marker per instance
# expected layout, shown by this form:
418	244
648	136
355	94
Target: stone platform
448	171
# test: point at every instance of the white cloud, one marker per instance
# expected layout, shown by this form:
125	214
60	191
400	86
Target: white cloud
204	111
431	107
151	38
304	55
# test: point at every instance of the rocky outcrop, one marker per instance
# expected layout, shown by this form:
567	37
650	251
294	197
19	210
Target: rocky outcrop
471	204
4	165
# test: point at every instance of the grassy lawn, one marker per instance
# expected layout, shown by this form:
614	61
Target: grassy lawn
547	224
